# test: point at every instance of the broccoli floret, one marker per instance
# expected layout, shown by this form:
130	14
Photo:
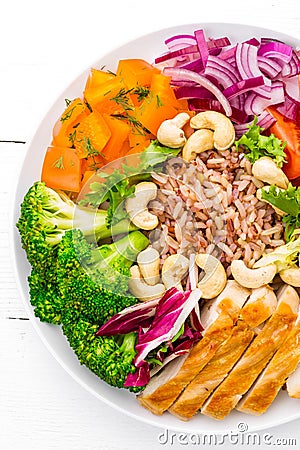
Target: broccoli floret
45	296
94	286
47	214
97	278
45	217
110	358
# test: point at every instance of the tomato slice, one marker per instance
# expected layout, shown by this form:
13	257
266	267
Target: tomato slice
288	131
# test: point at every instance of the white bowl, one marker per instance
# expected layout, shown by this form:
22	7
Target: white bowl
147	47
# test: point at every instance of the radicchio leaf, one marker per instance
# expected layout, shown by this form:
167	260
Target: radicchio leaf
171	312
130	319
140	377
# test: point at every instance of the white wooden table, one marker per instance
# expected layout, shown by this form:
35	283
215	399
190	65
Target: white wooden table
44	45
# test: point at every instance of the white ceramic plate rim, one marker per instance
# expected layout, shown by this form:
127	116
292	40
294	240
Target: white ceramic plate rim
52	337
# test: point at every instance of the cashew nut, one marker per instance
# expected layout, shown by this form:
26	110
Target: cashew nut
214	280
170	132
148	262
200	141
266	170
224	132
252	278
259	196
174	268
140	289
136	206
291	276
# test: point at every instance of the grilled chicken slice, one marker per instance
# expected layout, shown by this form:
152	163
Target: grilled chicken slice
231	299
293	383
256	357
164	388
195	394
259	307
284	362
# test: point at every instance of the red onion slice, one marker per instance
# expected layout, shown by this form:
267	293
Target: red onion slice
246	61
180	41
221	70
243	86
269	66
186	75
277	50
202	46
265	120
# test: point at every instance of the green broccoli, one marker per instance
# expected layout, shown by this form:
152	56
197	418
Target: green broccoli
110	358
44	295
45	217
47	214
97	278
93	284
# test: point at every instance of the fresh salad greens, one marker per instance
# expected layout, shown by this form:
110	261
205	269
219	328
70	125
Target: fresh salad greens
288	201
161	328
285	256
115	187
257	145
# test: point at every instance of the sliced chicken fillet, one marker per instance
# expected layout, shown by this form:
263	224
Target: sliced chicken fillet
255	358
195	394
164	388
268	384
260	306
293	383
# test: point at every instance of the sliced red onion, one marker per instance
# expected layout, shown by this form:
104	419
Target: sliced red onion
277	50
192	92
191	49
246	61
255	104
221	70
243	86
265	120
229	56
217	43
196	65
180	41
253	41
202	46
182	74
292	89
251	75
292	68
203	104
269	66
289	108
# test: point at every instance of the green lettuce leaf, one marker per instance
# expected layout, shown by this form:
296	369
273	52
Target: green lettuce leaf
285	256
288	201
120	184
256	145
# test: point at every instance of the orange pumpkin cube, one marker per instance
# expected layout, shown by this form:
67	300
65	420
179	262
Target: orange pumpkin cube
64	128
62	169
92	135
119	134
136	72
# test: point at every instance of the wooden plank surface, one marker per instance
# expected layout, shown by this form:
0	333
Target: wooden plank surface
44	45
